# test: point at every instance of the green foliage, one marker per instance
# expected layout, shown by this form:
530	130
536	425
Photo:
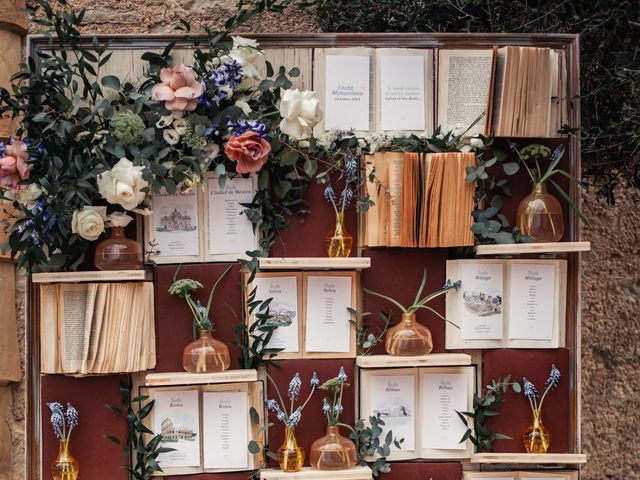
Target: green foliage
140	455
485	406
372	450
610	63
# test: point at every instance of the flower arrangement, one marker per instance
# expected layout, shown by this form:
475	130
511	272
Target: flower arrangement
291	416
65	467
536	439
332	404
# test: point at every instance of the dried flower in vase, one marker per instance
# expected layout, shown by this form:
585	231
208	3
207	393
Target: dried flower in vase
537	439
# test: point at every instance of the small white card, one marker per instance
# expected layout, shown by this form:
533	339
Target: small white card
531	301
225	430
175	224
442	395
393	397
328	327
347	92
481	297
230	231
402	92
283	309
176	416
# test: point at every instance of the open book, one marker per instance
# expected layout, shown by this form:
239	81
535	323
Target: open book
507	304
419	405
202	225
208	426
420	200
368	89
97	328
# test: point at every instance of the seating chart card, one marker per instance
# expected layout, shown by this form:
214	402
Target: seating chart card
443	394
347	92
531	312
225	433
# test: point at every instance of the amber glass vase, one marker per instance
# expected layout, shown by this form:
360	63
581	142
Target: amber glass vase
64	467
408	338
540	215
206	354
333	451
290	454
338	242
118	252
536	438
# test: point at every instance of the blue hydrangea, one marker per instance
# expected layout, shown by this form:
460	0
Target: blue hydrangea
554	377
315	381
294	387
228	75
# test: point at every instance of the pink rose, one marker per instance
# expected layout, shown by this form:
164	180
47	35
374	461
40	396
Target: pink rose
14	166
250	150
179	89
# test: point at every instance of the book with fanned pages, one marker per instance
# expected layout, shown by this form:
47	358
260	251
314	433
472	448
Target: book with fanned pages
419	200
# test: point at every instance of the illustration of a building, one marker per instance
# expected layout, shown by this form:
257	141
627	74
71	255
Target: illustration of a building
171	433
176	220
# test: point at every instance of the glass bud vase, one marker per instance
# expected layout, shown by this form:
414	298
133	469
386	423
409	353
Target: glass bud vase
333	451
408	338
206	355
64	467
540	215
338	242
118	252
536	438
290	454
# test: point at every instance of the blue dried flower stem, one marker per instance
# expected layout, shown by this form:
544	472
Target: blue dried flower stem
292	414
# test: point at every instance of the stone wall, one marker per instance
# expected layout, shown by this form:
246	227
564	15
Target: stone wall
611	283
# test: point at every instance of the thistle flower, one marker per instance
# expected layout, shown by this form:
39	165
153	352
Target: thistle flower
294	387
554	377
529	388
315	381
342	376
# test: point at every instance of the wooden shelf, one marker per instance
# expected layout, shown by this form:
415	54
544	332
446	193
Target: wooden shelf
431	360
530	458
186	378
528	248
314	263
97	276
355	473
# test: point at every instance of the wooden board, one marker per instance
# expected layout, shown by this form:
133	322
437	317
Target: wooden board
97	276
9	353
186	378
431	360
314	263
530	458
530	248
355	473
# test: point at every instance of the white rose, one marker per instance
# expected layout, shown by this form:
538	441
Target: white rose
244	106
300	112
171	136
245	51
180	125
29	196
89	222
476	142
122	184
119	219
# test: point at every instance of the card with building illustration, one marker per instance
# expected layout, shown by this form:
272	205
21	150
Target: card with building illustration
310	311
203	223
506	303
207	426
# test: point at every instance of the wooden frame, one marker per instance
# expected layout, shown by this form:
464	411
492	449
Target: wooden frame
454	340
520	475
419	452
298	44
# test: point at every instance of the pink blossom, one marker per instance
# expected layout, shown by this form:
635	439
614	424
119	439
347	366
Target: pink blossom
14	166
249	150
179	89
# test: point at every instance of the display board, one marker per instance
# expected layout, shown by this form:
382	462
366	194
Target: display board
395	271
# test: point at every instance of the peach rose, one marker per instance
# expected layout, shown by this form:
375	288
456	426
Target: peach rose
179	89
249	150
14	166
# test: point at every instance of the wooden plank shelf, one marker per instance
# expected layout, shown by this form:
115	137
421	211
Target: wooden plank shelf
532	248
97	276
431	360
314	263
355	473
530	458
186	378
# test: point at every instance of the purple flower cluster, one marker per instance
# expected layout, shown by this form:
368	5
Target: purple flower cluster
42	222
449	284
228	75
243	126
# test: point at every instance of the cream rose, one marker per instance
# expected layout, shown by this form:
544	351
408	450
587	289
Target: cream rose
245	51
122	184
300	112
89	222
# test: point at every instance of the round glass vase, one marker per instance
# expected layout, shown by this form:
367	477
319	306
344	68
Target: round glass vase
540	215
118	252
536	438
290	454
64	467
333	451
408	338
338	242
206	354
